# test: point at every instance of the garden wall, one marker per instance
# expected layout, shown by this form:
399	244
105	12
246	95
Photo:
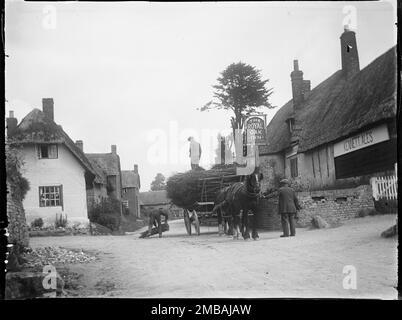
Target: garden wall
334	206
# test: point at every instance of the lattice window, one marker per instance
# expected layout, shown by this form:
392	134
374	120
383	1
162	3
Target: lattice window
50	196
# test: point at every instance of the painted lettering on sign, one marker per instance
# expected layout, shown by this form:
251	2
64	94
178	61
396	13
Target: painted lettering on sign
255	130
361	140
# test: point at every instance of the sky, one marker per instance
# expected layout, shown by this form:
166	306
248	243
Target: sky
133	74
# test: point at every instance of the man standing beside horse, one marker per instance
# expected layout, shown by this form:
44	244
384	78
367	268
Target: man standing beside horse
288	207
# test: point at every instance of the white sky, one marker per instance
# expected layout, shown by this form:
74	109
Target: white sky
125	73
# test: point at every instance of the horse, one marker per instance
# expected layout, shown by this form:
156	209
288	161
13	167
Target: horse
239	199
220	207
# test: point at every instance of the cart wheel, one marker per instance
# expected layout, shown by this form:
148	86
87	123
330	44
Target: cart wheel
187	222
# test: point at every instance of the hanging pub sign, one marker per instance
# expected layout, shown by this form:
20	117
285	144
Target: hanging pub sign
255	130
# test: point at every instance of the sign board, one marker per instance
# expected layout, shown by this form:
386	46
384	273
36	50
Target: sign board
362	140
255	130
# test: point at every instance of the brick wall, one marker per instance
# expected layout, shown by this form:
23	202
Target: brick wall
333	205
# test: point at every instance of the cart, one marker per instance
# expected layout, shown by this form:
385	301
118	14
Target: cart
203	208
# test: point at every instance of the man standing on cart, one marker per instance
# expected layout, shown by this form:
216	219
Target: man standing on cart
195	153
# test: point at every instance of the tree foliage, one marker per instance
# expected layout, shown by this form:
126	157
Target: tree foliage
14	162
158	183
240	89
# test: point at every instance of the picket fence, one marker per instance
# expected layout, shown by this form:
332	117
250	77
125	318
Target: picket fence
385	187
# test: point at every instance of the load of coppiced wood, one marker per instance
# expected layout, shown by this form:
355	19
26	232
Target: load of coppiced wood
188	188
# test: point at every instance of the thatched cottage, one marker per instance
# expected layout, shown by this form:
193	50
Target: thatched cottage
58	171
107	165
343	131
131	185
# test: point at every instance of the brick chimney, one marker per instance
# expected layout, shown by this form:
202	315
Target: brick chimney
136	168
48	108
11	124
114	149
297	84
349	54
80	144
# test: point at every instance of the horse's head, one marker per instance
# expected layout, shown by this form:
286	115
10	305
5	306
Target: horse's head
253	182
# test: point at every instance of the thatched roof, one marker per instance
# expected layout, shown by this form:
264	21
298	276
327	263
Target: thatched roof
154	198
337	108
130	179
108	163
278	135
37	128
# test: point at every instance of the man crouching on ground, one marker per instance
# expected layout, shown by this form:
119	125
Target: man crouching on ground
155	219
288	206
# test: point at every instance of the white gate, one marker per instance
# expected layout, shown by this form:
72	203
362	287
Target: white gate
385	187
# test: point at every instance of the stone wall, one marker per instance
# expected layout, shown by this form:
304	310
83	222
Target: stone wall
17	227
334	206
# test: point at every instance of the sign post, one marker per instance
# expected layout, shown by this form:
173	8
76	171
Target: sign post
255	133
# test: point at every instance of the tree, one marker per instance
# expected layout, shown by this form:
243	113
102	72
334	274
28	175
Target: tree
240	89
158	183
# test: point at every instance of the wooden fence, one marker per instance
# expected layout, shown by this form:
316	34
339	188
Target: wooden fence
385	187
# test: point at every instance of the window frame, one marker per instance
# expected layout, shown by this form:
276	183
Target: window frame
294	167
41	145
53	193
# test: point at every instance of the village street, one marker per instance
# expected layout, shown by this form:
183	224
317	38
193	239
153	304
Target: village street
309	265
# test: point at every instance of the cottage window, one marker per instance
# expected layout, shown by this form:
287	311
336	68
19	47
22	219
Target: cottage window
47	151
50	196
293	167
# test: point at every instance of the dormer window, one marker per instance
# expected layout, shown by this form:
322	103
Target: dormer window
47	151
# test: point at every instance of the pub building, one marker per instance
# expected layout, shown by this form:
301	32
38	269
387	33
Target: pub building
340	133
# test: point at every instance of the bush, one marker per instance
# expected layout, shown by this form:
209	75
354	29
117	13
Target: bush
106	213
18	184
37	223
60	222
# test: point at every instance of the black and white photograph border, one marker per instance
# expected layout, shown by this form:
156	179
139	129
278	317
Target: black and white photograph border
201	150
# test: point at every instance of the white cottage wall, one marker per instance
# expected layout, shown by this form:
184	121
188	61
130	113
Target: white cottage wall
67	171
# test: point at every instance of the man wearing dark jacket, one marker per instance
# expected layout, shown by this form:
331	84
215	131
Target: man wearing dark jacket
155	219
288	206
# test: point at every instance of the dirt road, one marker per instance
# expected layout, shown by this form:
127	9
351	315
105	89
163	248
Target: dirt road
308	265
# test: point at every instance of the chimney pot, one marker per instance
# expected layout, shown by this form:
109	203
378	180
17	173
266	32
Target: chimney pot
48	108
114	149
136	168
295	65
11	124
80	144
